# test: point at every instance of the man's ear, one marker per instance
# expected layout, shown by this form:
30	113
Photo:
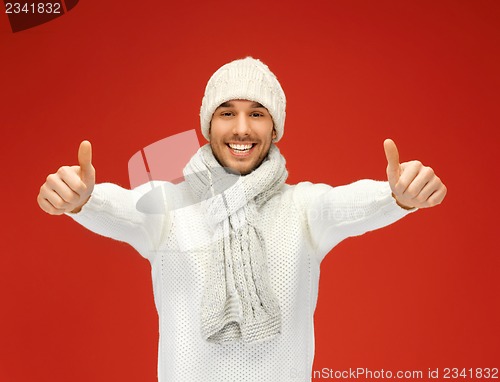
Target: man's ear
274	134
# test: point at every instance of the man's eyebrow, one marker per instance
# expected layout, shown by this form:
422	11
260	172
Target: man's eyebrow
254	105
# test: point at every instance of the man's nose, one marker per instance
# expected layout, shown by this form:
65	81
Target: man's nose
242	125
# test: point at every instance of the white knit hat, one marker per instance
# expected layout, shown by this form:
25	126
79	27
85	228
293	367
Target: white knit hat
247	79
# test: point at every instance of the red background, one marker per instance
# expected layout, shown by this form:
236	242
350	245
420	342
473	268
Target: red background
423	293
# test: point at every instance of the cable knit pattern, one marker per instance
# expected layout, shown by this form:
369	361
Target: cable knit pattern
238	301
248	79
299	226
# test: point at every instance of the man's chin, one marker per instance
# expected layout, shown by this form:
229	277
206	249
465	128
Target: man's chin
241	170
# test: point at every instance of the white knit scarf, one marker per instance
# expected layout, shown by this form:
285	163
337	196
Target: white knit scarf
238	301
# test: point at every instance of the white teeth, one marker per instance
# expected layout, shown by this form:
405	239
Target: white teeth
240	147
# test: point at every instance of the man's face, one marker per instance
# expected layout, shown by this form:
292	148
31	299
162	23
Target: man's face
241	133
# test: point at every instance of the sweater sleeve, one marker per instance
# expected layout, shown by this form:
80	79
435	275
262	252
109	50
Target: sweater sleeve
335	213
112	211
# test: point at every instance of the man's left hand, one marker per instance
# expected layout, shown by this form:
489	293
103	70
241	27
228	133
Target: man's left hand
413	185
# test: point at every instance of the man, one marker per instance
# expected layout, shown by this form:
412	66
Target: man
235	258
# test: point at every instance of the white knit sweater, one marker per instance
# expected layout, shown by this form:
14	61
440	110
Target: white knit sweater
300	225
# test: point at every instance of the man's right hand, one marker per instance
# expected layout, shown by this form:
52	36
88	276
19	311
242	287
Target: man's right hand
70	187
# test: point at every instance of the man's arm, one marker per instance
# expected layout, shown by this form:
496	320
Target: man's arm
105	209
335	213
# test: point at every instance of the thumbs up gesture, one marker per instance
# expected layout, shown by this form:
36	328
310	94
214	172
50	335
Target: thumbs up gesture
412	183
70	187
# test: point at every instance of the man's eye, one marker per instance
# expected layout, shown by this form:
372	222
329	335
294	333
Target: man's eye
226	114
256	114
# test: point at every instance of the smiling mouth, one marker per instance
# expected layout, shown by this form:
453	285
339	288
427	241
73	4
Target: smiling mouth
239	149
